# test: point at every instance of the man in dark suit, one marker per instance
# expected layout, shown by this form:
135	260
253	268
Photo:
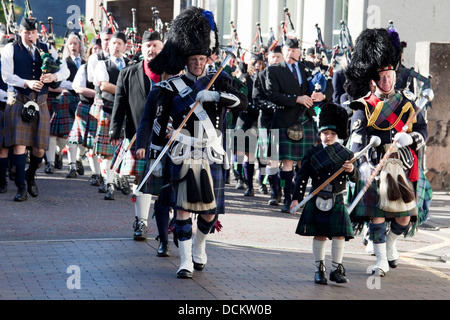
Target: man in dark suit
288	88
133	86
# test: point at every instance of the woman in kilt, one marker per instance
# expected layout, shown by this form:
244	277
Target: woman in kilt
105	79
196	159
79	136
325	215
62	114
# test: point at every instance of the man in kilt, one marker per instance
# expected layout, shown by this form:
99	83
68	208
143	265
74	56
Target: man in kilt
287	86
133	87
105	79
196	159
21	70
325	215
63	110
266	112
397	197
80	134
4	152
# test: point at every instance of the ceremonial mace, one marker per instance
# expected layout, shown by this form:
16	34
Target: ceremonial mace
427	96
374	142
229	55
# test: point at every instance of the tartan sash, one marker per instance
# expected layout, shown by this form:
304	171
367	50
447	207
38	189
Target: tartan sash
329	156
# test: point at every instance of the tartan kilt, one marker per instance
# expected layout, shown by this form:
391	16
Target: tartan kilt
102	145
52	102
62	118
21	133
218	177
132	166
335	223
92	124
2	134
296	150
80	123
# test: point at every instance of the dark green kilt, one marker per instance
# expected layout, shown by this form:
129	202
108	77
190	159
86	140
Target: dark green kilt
296	150
335	223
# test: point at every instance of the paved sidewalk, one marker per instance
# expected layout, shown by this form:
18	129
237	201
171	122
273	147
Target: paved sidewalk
257	256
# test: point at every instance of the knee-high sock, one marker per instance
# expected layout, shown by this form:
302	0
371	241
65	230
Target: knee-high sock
50	153
105	167
249	172
19	161
94	164
72	153
274	182
337	252
318	248
3	169
286	180
34	165
162	220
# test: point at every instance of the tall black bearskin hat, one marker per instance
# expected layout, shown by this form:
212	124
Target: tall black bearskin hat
193	32
373	52
335	118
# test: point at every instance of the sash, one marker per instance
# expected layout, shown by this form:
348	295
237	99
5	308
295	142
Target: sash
329	156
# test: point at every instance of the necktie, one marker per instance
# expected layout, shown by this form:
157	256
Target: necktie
77	62
294	72
31	52
119	64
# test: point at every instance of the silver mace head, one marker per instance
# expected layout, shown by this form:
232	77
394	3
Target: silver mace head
375	141
428	94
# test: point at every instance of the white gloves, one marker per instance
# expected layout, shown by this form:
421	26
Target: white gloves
403	139
365	170
206	95
158	171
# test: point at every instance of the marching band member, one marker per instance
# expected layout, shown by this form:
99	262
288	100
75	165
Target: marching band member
381	111
197	157
23	127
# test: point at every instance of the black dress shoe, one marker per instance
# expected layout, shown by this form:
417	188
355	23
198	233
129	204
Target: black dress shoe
96	180
109	192
249	193
163	250
21	194
102	187
80	168
320	276
50	168
184	274
72	174
338	275
263	189
4	187
199	266
286	208
125	186
140	230
273	202
393	264
31	185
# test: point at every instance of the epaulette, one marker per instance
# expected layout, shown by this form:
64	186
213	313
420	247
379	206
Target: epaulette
170	84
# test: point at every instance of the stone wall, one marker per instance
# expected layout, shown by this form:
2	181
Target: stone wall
434	59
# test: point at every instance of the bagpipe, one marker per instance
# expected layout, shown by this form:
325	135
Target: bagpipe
10	18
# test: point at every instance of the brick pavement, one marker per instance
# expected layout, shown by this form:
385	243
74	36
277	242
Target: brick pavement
256	257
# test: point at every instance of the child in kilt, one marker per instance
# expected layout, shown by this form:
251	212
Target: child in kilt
325	215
